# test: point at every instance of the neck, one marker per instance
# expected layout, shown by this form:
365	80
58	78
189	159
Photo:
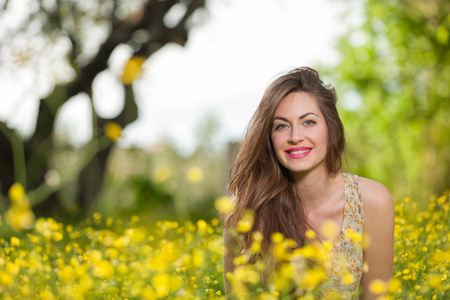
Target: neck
315	187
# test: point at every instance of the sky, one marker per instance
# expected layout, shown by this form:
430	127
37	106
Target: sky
222	72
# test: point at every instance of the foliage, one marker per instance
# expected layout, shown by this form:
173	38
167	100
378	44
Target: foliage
397	64
89	32
112	258
161	183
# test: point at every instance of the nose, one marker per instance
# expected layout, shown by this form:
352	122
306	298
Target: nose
296	136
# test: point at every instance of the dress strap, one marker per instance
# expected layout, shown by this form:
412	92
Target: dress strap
354	217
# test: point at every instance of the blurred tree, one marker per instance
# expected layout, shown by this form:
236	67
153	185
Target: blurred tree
394	77
143	25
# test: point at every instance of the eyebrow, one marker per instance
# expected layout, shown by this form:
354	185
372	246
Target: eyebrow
301	117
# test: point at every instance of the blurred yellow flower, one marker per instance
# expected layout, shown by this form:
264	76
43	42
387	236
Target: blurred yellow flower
132	69
162	174
245	224
5	279
195	174
103	269
310	234
395	285
255	247
435	281
365	267
161	282
348	278
16	193
378	286
366	240
257	236
277	237
15	241
314	277
202	226
329	230
112	130
20	217
241	259
354	236
225	204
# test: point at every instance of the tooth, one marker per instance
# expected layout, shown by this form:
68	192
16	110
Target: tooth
299	151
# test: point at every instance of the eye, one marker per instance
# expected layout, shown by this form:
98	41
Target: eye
280	126
309	123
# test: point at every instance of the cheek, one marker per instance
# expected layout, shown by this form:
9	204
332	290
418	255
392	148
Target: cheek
276	141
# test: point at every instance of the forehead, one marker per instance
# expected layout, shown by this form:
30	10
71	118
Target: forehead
298	103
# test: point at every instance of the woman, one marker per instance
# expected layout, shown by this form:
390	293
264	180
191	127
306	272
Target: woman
288	173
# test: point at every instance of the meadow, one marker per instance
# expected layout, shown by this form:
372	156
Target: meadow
123	259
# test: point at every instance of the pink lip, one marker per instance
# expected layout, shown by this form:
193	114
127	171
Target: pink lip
301	155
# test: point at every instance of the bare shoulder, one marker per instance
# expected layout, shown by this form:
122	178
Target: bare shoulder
375	196
379	226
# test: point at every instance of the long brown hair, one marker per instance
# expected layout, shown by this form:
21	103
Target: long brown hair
259	183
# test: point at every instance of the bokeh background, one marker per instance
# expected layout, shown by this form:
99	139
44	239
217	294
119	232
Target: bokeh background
179	82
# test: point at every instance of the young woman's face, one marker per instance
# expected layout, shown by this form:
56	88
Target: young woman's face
299	133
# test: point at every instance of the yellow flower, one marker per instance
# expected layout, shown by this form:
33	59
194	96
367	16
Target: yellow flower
257	236
162	174
329	230
195	174
314	277
112	130
255	247
354	236
20	217
366	241
395	285
245	224
161	282
349	278
5	279
198	257
310	234
365	267
202	226
225	204
15	241
277	237
16	192
441	200
104	269
132	69
46	295
241	259
435	282
378	286
12	268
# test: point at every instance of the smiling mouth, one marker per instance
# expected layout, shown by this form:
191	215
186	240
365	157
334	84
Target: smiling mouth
298	151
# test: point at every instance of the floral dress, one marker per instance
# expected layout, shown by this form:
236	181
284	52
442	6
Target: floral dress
346	266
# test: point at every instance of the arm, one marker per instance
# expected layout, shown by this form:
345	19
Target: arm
229	248
379	226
